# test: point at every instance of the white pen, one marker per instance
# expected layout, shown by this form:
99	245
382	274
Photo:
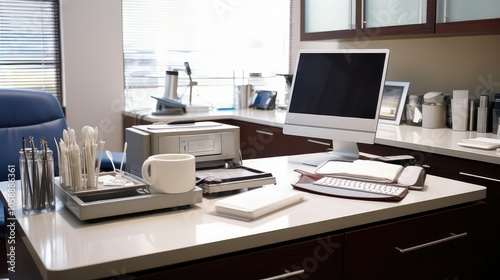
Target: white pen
123	157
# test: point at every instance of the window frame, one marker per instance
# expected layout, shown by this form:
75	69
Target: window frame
30	46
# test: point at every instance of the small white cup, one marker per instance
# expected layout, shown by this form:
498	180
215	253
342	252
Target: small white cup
170	173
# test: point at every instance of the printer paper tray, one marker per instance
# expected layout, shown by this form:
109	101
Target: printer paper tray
233	178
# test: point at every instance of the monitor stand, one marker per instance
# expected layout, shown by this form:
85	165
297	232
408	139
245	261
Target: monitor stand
342	151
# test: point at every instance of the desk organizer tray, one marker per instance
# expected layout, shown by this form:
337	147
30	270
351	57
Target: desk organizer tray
215	180
130	182
109	201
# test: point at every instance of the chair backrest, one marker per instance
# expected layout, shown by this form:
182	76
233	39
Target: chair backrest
25	113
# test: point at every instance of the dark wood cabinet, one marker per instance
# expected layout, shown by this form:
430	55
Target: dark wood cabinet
258	141
471	27
475	172
129	121
398	19
364	21
442	245
302	145
316	258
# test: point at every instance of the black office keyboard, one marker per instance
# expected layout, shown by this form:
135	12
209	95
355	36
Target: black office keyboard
355	189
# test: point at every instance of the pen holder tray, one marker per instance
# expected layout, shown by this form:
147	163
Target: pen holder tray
110	201
109	185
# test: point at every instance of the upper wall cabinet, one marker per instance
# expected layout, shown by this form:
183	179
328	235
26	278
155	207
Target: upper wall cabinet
332	19
335	19
465	16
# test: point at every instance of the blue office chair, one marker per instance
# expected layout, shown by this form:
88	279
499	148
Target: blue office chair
25	113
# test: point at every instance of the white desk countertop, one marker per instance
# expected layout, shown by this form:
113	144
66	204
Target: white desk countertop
272	117
440	141
66	248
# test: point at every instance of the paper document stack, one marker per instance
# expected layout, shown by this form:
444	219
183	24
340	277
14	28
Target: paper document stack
255	203
362	169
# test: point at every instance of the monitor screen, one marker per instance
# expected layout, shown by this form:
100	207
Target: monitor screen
336	94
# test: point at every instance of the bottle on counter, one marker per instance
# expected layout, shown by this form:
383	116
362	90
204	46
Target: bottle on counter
434	110
413	111
482	114
498	129
496	115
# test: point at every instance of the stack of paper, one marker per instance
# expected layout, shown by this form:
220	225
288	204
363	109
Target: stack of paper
362	169
255	203
480	143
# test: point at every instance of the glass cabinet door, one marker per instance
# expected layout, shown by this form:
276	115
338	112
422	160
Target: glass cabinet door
465	10
385	13
319	17
328	15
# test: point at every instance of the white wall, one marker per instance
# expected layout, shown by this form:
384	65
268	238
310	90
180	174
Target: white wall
444	64
93	67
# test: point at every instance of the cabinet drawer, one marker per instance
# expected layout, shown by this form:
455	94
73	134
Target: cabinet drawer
441	245
319	258
257	141
303	145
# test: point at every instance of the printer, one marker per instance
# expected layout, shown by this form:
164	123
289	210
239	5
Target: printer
216	147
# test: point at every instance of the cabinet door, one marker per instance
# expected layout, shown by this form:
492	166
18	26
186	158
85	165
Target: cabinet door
465	10
258	141
485	174
304	145
319	258
463	16
389	17
384	13
439	245
481	173
322	19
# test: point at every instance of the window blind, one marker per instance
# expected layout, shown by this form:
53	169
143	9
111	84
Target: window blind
30	56
223	41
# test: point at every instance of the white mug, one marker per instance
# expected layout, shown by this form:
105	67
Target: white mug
170	173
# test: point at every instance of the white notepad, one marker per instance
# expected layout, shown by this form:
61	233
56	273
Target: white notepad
480	143
362	169
255	203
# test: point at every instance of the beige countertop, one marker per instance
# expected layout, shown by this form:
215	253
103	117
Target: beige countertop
440	141
63	247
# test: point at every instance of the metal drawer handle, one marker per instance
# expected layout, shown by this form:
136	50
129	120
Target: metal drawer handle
318	142
478	176
264	132
285	275
452	236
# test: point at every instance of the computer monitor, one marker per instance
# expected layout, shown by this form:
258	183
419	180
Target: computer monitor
336	94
